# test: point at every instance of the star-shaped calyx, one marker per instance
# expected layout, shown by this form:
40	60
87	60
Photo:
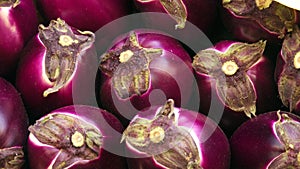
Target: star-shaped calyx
287	131
272	16
75	138
229	69
9	3
289	80
64	46
160	137
128	67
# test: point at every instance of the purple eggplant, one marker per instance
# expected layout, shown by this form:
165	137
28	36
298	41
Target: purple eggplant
14	124
250	20
85	14
268	141
287	71
76	136
237	77
52	67
18	23
170	137
141	70
201	13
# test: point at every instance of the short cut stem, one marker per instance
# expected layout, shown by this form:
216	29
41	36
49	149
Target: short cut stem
297	60
230	68
77	139
125	56
157	134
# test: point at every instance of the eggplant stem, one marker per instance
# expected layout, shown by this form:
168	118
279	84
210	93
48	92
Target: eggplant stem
125	56
230	68
77	139
157	134
297	60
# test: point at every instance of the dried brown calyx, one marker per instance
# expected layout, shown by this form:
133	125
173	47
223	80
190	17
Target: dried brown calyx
177	10
9	3
76	139
12	158
64	47
229	69
273	17
128	67
287	131
169	144
289	80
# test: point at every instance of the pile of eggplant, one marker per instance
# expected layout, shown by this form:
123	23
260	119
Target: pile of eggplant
149	84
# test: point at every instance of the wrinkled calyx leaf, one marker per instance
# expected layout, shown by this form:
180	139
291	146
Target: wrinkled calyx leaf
128	67
177	10
64	46
229	69
287	131
169	144
289	80
276	18
75	138
12	158
9	3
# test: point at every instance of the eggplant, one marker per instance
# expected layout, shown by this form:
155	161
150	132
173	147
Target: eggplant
141	70
14	123
76	136
236	82
169	137
268	141
18	25
287	71
55	64
251	21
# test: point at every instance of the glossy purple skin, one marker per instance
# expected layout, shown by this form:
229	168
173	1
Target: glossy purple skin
215	149
201	13
85	14
31	81
17	26
261	75
13	117
171	68
41	156
248	30
254	144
